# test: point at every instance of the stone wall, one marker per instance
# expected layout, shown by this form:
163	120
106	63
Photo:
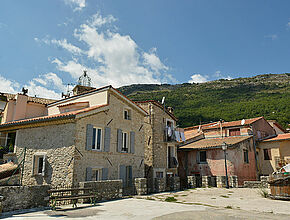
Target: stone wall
233	181
159	184
24	197
11	181
105	190
221	181
255	184
191	182
140	186
173	183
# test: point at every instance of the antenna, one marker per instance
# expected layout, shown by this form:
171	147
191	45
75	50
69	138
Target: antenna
243	122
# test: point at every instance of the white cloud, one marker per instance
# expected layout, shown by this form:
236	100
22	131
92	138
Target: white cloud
8	86
198	78
218	74
50	80
117	59
80	4
69	47
40	91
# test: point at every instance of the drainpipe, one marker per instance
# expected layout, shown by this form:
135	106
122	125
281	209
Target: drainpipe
255	151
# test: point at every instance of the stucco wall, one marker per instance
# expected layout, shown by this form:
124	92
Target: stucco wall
215	165
93	99
264	128
57	141
112	159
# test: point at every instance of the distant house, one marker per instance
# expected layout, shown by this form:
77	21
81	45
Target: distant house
274	153
202	153
94	135
161	139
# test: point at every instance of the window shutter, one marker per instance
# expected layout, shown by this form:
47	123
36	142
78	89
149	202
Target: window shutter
123	174
89	174
198	157
43	167
89	138
107	139
130	176
105	173
33	165
132	142
119	140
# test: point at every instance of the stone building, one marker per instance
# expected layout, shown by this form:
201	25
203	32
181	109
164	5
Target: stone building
161	139
96	135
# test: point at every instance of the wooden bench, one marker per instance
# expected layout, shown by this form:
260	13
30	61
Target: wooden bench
72	194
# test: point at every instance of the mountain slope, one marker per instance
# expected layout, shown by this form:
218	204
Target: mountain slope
263	95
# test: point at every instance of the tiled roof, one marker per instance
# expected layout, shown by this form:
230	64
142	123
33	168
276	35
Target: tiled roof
279	137
202	126
233	123
31	99
159	105
65	115
191	134
214	142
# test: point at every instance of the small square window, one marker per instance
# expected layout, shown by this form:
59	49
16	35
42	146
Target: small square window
159	174
96	175
202	156
246	156
267	154
39	164
127	114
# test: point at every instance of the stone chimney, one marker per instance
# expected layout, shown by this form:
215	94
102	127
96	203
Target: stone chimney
78	89
170	109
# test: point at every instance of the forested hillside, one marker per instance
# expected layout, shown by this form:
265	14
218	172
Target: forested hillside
264	95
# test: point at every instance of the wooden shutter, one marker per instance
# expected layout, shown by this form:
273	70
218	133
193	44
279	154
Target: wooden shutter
89	174
33	165
119	140
107	139
132	142
43	166
198	157
105	173
123	174
130	176
89	138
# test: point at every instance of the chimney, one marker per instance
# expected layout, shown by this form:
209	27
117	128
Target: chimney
79	89
170	109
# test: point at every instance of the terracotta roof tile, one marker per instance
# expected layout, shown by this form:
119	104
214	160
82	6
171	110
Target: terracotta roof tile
31	99
214	142
279	137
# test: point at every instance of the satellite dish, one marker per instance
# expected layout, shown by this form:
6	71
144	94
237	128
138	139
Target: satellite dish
163	99
243	122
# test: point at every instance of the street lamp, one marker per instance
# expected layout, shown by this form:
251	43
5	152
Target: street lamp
225	147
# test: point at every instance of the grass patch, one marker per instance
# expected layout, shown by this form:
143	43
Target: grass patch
149	198
263	192
170	199
228	207
183	195
224	196
231	191
213	198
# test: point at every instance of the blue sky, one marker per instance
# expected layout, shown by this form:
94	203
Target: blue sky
44	45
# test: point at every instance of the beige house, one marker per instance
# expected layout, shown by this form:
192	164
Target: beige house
274	153
96	135
161	139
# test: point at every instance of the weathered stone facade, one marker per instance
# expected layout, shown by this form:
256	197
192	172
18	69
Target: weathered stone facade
156	145
63	145
24	197
173	183
159	184
141	186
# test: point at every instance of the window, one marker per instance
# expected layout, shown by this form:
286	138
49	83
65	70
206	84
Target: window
127	114
159	174
202	156
39	164
246	156
267	154
96	175
234	132
97	139
125	142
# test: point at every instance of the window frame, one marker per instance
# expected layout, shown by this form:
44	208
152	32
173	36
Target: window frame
99	174
129	114
126	149
267	156
205	161
95	136
246	158
35	165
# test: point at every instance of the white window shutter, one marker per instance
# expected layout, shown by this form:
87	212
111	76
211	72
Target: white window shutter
43	166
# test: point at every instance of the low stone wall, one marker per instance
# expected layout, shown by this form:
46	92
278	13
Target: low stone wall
265	180
255	184
24	197
221	181
159	184
233	181
173	183
106	189
191	182
140	186
11	181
